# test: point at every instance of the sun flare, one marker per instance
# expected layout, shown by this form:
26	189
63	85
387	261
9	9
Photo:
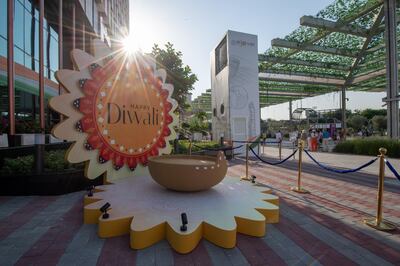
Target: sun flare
131	44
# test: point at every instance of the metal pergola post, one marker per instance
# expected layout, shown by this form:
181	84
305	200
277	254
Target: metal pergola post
343	101
392	82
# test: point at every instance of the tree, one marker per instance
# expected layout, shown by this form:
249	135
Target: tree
379	123
357	122
370	113
178	74
202	116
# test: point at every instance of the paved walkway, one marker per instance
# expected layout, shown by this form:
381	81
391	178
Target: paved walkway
338	160
322	228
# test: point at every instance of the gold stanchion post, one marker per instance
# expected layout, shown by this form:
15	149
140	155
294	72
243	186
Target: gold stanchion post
247	177
378	222
299	189
263	145
190	147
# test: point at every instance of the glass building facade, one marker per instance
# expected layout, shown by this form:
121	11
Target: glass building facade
26	59
26	37
83	21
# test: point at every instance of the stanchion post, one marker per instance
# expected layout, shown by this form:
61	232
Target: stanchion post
299	189
378	222
294	155
280	150
190	147
247	177
263	145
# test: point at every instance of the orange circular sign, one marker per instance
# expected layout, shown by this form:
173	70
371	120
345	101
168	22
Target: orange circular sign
126	113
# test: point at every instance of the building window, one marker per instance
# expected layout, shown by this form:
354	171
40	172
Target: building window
26	37
3	47
3	18
221	56
19	25
89	11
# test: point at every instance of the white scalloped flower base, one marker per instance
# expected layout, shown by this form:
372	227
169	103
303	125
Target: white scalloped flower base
151	213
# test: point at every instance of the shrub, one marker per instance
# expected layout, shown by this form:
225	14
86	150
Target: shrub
197	146
55	160
17	166
369	146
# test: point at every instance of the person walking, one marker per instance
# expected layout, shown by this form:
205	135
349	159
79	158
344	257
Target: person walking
314	140
303	137
325	138
278	136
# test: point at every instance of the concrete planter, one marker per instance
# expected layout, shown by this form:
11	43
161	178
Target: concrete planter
27	139
47	183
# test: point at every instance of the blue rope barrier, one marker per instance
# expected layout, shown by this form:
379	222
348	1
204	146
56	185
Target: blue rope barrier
245	141
270	142
340	171
390	166
272	163
218	149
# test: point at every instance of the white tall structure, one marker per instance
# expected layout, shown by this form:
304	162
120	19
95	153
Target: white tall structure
234	87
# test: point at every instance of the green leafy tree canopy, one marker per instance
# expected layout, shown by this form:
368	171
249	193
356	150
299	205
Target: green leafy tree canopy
379	123
370	113
178	74
357	122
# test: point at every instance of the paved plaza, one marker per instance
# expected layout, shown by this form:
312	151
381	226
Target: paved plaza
321	228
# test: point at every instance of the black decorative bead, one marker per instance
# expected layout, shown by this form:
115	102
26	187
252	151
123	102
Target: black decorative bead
77	103
82	82
88	146
78	126
102	160
93	66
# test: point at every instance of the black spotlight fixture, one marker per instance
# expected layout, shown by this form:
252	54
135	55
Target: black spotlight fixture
253	179
184	222
104	209
90	190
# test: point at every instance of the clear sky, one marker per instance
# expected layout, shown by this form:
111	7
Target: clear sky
195	27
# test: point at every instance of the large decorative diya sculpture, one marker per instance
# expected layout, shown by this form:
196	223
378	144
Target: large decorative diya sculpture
188	173
118	112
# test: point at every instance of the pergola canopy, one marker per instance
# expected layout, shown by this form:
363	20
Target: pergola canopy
349	45
342	47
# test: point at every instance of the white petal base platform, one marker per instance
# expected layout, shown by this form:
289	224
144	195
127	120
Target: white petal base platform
149	213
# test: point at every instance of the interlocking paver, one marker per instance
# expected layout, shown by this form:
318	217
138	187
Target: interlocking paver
288	250
323	228
225	257
85	247
21	240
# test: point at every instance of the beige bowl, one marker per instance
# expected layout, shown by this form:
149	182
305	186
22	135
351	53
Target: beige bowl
188	172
